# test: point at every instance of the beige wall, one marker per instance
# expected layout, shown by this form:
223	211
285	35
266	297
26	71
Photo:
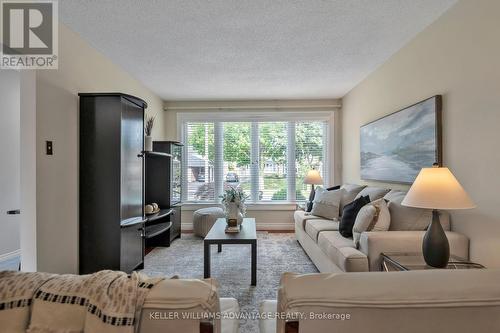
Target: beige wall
172	108
458	56
81	69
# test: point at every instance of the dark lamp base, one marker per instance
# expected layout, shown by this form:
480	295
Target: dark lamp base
312	194
435	247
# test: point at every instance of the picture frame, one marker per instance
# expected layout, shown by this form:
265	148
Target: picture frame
395	147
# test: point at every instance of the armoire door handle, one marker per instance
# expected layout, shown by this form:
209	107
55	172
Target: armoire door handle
14	212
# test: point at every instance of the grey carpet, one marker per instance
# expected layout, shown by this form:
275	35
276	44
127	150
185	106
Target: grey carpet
276	253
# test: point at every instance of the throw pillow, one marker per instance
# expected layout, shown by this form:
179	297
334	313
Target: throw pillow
326	203
374	216
363	221
382	219
395	195
350	192
373	192
309	204
349	214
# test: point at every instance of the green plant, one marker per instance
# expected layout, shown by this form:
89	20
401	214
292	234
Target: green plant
235	196
148	127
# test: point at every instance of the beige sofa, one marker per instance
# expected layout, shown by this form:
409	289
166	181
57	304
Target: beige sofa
177	298
172	305
331	252
437	301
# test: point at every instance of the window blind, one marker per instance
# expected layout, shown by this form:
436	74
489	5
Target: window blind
309	153
267	159
199	162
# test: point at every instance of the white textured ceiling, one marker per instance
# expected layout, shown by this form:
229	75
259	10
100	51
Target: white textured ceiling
249	49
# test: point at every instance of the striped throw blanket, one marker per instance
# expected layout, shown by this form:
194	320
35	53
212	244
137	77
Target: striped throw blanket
106	301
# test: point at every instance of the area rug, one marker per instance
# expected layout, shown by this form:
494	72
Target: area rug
276	253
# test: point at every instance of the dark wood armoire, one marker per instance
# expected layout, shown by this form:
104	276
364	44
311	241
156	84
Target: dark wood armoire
111	212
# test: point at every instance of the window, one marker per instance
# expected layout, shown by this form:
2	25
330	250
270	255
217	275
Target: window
267	159
309	145
200	160
273	161
237	160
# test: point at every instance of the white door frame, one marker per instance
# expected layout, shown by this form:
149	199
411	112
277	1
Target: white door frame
28	171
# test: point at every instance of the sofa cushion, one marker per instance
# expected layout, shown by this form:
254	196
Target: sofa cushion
329	241
405	218
301	217
314	227
342	252
353	187
326	203
373	192
372	217
349	215
350	192
229	308
268	324
417	293
394	194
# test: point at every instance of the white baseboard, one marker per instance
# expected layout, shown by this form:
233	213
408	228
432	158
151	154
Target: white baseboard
275	226
10	255
260	226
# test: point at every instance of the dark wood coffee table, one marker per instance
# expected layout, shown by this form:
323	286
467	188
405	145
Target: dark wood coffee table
217	235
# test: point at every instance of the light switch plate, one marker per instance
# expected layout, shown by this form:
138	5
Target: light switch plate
48	148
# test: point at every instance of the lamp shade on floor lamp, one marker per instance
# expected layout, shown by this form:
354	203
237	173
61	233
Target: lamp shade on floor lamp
314	178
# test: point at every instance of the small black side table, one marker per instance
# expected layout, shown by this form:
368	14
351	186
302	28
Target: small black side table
412	261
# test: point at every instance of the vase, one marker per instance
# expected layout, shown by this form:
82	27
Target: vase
148	143
233	212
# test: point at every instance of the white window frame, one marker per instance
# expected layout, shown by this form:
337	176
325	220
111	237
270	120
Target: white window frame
254	117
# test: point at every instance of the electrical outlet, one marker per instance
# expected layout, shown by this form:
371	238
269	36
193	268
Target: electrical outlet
48	148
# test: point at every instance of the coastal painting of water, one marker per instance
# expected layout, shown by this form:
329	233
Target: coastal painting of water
394	148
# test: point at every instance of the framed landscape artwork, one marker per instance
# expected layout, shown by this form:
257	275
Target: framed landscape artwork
394	148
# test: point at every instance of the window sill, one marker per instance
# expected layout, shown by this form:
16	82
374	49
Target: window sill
283	206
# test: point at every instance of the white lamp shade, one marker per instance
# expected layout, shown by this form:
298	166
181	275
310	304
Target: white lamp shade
313	177
437	188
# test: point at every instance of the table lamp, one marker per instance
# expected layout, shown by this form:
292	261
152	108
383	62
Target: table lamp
314	178
436	188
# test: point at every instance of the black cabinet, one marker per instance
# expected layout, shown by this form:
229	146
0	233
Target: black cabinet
111	214
132	247
164	175
175	218
163	186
